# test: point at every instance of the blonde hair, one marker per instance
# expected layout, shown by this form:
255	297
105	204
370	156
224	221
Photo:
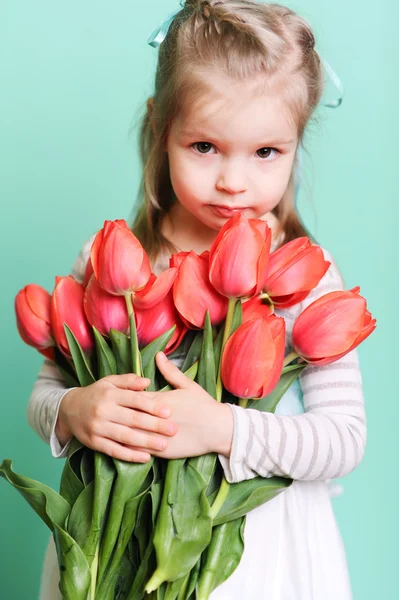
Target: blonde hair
243	39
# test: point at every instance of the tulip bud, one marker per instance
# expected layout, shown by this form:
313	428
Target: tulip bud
193	293
239	257
119	261
67	307
105	311
294	270
332	326
32	309
253	357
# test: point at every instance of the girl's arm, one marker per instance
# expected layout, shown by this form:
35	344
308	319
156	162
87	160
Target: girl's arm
49	388
327	441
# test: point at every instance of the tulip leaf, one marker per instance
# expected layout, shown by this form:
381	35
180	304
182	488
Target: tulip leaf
247	495
51	507
184	525
65	368
217	348
104	475
269	402
74	570
129	481
122	352
194	352
206	378
148	356
79	519
87	466
71	485
83	371
222	556
105	359
192	584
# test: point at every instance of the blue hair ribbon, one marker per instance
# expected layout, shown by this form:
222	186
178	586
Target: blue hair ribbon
160	33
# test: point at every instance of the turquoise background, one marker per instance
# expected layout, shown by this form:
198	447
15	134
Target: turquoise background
74	76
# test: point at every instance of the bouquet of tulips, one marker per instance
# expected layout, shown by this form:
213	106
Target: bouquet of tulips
173	529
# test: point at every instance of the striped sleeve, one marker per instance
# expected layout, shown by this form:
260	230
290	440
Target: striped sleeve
327	441
49	388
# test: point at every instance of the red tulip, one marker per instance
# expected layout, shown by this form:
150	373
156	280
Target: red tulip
193	293
239	257
119	261
332	326
105	311
32	308
255	307
67	307
153	322
294	270
253	357
156	289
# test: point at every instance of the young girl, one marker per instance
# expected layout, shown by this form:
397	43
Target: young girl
236	85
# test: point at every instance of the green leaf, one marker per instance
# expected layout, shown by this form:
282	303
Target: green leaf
74	569
52	508
247	495
65	368
217	348
184	525
222	556
269	403
87	466
129	481
83	371
71	485
122	352
194	352
148	355
105	359
237	318
134	347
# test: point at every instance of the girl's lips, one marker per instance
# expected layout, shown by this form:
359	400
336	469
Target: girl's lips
226	212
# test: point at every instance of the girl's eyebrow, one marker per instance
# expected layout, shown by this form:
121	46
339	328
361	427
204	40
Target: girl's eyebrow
200	134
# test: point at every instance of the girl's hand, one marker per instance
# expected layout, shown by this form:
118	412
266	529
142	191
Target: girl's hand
114	416
204	425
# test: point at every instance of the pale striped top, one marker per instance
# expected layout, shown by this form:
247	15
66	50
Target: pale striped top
326	441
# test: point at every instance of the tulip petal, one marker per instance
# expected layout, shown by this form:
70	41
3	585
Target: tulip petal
158	289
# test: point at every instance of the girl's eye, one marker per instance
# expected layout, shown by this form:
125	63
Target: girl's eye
265	152
203	147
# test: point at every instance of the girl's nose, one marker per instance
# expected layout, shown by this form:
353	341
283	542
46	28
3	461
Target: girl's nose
231	179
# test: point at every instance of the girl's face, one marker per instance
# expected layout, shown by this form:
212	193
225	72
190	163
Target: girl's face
231	151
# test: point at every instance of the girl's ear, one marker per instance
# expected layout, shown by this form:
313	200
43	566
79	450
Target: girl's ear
150	109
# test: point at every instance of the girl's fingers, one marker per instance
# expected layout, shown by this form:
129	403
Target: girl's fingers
129	381
134	437
144	402
144	421
120	452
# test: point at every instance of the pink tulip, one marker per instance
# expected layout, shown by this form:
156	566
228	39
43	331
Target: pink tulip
32	308
294	270
193	293
105	311
239	257
153	322
332	326
156	289
67	307
88	273
119	261
253	357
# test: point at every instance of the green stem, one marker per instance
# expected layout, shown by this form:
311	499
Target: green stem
290	357
243	402
134	342
220	498
226	335
93	571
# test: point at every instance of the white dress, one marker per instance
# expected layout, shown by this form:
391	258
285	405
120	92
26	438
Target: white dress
293	547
